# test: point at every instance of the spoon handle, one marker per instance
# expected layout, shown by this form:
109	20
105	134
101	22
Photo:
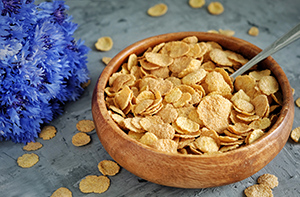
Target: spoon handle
283	41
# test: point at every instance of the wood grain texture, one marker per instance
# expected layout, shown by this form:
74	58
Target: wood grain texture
191	171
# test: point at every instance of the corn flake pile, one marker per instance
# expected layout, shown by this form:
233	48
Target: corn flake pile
178	97
99	184
264	186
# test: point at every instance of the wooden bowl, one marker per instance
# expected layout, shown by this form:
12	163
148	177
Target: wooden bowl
191	171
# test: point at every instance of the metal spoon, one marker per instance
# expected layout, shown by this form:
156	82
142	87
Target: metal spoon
283	41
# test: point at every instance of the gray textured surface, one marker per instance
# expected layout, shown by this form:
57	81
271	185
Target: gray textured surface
62	164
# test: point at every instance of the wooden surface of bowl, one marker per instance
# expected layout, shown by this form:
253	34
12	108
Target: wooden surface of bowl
191	171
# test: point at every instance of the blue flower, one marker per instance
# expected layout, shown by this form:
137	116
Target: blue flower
9	7
41	66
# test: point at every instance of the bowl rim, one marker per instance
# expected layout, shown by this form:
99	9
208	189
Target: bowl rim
143	44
